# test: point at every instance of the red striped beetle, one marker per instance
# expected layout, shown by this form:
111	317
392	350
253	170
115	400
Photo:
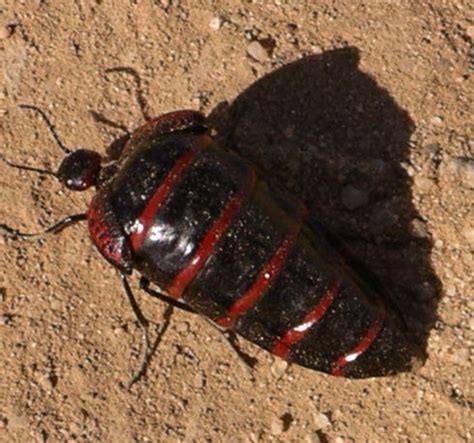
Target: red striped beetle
196	220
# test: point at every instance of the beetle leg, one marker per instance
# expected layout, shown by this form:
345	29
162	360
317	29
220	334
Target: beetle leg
229	335
114	150
232	340
143	323
53	229
145	286
142	103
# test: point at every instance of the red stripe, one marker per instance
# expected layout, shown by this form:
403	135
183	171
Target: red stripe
207	246
282	347
266	276
338	366
163	191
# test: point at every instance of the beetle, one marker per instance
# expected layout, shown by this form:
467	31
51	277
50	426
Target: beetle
198	222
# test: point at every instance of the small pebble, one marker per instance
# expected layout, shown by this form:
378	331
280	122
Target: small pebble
277	426
423	184
321	421
353	198
6	31
468	234
408	168
182	327
215	23
436	120
470	32
5	319
279	367
257	52
419	229
312	438
46	381
200	380
461	357
464	167
450	291
316	49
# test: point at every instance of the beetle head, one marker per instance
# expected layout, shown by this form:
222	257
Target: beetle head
80	169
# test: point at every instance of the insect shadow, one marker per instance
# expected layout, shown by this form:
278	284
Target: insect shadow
324	129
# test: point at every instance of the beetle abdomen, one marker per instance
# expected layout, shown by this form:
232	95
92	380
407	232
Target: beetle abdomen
202	227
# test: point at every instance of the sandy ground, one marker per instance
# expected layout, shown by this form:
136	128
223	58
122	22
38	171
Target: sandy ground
363	108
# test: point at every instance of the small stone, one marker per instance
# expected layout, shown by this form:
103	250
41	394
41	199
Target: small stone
312	438
461	357
468	234
464	168
321	421
353	198
6	31
215	23
438	244
450	291
436	120
182	328
419	229
339	440
200	380
279	367
277	426
410	170
5	320
257	52
424	184
316	49
47	381
471	324
470	32
119	330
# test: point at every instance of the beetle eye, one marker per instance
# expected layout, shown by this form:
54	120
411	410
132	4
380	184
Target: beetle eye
80	169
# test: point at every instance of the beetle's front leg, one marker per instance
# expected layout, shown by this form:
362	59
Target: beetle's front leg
143	323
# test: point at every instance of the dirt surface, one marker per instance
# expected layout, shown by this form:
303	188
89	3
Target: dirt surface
362	108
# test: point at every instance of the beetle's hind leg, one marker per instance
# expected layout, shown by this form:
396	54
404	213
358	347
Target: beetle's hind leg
229	335
145	286
232	339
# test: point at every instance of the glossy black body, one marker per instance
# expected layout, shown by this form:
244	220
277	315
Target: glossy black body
189	211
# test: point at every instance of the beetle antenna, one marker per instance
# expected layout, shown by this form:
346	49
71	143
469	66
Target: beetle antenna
48	124
56	228
27	168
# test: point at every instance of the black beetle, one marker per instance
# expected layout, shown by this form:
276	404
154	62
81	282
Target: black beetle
197	221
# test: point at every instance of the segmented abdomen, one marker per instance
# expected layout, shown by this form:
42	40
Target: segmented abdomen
206	230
